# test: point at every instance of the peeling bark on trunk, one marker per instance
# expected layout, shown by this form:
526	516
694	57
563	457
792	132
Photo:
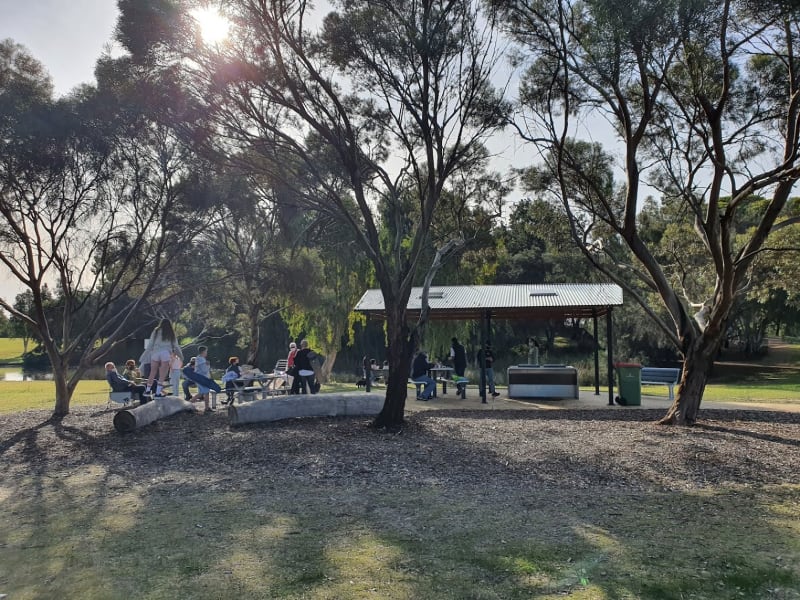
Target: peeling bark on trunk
686	406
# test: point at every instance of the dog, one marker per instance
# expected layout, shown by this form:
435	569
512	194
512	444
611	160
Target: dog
361	383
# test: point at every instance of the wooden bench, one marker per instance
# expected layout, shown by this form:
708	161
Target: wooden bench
668	376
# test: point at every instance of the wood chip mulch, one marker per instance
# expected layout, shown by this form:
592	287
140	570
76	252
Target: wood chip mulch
564	448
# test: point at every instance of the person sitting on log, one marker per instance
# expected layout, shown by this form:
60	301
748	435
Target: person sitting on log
120	384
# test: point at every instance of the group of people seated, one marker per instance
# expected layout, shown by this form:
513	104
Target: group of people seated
458	357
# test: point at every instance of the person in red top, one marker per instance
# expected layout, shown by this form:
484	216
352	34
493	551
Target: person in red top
290	358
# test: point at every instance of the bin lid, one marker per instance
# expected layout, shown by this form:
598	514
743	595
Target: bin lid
628	365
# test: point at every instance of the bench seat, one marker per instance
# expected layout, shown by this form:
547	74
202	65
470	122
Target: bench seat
668	376
123	398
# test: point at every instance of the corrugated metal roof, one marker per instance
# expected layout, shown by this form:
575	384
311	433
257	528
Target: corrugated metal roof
542	301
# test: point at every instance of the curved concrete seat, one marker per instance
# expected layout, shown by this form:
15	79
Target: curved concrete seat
348	404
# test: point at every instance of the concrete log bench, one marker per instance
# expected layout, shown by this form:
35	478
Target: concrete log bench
130	419
348	404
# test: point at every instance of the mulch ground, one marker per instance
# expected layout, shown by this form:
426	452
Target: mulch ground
563	448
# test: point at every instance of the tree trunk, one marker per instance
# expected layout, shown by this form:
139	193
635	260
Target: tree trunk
63	391
399	353
327	366
255	337
697	366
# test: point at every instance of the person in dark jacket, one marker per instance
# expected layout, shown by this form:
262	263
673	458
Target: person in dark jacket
187	383
459	357
419	374
305	377
488	362
119	384
232	373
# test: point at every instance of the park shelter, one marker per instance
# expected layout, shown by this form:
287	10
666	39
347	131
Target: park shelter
525	302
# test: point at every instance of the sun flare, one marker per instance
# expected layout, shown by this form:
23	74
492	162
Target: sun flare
213	26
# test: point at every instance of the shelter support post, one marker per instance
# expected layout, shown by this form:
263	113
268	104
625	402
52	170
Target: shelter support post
610	356
487	334
596	356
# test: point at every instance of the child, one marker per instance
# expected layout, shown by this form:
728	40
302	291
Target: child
202	367
232	373
130	372
175	367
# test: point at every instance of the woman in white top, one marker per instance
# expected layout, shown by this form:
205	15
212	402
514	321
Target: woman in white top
161	346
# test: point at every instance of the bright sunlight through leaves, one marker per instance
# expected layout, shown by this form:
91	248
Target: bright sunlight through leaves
213	26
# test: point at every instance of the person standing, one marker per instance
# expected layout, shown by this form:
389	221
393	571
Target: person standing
175	368
119	383
305	371
202	367
488	364
458	355
161	345
290	357
533	351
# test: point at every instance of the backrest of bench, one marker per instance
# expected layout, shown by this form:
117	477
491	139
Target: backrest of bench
660	374
280	366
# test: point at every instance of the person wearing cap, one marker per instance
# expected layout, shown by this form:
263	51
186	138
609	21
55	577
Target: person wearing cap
488	363
130	372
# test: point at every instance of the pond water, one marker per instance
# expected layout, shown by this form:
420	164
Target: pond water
17	374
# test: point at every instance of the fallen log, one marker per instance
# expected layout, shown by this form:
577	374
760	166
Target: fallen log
129	419
304	405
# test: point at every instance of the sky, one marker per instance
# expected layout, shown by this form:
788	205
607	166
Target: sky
66	36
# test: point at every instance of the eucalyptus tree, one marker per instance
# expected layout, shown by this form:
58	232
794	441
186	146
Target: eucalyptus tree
87	214
700	100
398	93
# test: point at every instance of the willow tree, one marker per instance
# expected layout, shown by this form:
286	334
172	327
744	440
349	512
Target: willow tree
361	112
703	103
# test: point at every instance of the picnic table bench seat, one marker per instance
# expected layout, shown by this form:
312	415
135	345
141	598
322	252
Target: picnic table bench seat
460	383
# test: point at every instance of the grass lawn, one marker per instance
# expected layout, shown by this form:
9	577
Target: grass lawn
475	507
472	507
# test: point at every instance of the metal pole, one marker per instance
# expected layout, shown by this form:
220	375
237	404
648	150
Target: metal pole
481	357
596	356
610	357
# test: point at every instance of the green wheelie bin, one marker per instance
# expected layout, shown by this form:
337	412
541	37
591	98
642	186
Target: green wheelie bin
629	382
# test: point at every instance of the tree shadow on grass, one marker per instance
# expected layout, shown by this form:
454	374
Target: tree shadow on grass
305	505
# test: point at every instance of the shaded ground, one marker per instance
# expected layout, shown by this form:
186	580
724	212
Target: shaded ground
580	448
462	504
